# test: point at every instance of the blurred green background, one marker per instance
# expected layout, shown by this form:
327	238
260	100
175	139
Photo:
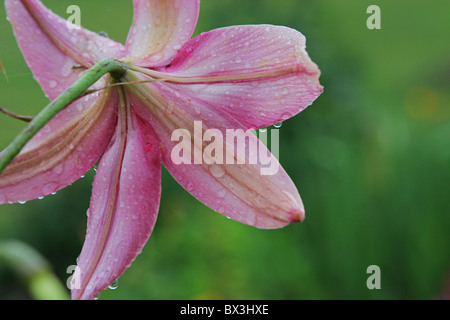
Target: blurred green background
370	159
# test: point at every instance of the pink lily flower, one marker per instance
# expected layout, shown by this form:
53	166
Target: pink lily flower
237	77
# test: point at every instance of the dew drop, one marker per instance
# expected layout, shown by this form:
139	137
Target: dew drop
66	69
49	188
103	34
22	202
170	107
222	193
190	187
53	84
97	296
114	285
286	116
263	130
217	171
148	147
278	125
58	169
285	92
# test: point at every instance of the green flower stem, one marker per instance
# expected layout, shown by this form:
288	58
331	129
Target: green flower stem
117	70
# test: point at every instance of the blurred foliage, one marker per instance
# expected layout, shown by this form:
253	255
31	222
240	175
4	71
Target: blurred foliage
33	270
370	158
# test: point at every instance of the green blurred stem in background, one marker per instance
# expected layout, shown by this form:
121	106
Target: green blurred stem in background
34	271
116	68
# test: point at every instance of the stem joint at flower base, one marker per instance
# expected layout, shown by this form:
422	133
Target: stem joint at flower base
115	68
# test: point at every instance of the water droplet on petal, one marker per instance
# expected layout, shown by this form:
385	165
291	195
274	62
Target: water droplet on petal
217	171
114	285
97	296
58	169
148	147
22	202
103	34
49	188
67	67
285	116
53	84
170	107
263	130
278	125
222	193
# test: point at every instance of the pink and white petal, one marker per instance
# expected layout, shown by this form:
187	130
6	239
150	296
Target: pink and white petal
124	207
160	28
250	193
260	74
52	50
63	151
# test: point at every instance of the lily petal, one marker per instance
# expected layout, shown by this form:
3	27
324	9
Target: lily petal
160	28
238	191
124	206
64	150
260	74
42	34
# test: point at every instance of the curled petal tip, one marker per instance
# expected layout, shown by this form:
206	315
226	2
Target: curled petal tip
297	215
